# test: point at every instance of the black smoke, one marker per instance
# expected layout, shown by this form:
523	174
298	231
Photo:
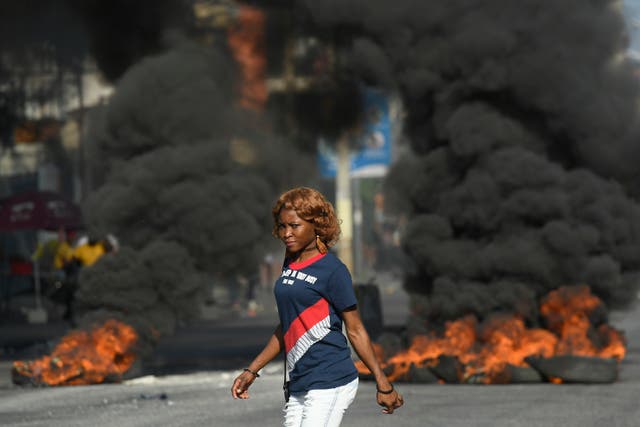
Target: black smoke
186	180
187	191
523	123
119	32
176	170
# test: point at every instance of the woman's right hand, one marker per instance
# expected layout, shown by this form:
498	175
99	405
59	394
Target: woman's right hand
240	388
390	402
241	385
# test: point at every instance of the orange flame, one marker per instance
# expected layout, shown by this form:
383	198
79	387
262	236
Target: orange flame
84	357
505	340
246	39
457	340
567	312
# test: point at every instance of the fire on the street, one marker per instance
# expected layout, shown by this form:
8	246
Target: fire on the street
486	353
103	354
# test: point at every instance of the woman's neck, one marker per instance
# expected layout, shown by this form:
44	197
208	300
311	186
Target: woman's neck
304	254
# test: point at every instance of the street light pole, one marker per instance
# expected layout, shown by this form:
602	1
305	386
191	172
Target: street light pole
343	201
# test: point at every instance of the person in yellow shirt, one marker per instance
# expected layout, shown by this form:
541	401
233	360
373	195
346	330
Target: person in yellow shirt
45	254
64	255
88	253
58	268
53	255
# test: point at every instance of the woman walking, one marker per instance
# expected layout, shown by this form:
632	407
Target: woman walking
314	295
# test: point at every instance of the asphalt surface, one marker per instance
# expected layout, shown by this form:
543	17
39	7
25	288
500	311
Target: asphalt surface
191	397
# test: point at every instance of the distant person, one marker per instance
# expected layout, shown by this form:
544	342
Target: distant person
314	295
45	253
85	254
107	246
252	280
234	290
66	268
111	243
54	270
64	251
88	253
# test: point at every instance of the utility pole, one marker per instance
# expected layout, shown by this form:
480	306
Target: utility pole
358	264
289	83
81	168
344	206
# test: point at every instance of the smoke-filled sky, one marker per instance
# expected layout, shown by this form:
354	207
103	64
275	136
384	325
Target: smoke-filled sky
186	177
190	178
523	124
523	119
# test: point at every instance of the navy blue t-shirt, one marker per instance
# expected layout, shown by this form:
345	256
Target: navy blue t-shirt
310	296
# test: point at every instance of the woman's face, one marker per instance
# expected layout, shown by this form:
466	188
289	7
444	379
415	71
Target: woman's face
296	233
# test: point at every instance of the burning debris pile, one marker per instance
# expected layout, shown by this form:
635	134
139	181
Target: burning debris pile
523	125
102	355
575	345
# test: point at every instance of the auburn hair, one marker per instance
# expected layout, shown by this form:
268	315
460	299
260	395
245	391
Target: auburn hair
311	206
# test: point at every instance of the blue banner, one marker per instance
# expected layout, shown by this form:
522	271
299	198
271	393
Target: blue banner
372	156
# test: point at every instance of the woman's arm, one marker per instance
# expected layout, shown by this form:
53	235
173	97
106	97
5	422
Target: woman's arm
240	388
361	343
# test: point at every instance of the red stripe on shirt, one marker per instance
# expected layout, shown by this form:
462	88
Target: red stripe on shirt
305	321
306	263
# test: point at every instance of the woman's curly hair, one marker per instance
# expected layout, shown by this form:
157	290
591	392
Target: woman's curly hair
311	206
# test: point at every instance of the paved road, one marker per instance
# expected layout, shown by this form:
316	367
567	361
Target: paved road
203	399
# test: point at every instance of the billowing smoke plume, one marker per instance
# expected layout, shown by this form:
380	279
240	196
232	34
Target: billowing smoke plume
189	181
121	32
523	120
179	173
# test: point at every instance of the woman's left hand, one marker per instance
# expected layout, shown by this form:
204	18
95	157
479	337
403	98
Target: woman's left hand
359	338
390	402
240	388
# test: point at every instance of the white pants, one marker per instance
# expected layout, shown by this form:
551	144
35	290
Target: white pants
319	408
